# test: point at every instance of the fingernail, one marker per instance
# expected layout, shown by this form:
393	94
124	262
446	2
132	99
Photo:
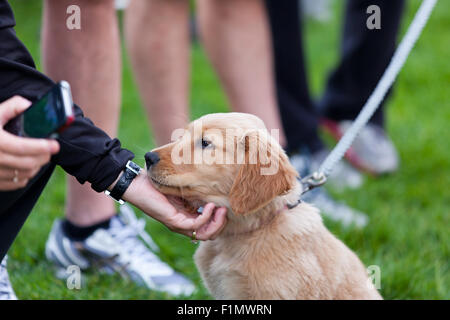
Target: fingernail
54	147
23	102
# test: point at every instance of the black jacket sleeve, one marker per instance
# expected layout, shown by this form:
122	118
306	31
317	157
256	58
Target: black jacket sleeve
86	151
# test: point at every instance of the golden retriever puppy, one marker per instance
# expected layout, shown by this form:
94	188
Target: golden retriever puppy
271	248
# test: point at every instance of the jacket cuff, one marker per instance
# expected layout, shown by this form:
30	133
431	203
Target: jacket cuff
110	167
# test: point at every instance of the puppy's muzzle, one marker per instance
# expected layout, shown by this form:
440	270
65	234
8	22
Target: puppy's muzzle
151	158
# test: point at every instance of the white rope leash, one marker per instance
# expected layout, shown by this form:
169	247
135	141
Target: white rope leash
398	60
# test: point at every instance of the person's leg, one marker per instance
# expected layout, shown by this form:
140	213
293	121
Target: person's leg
365	55
89	59
15	208
17	205
236	36
299	117
157	34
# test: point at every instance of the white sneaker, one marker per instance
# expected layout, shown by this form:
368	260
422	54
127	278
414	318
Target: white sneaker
122	248
372	151
335	210
6	290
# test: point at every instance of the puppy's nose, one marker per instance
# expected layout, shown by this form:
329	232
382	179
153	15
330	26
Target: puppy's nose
151	158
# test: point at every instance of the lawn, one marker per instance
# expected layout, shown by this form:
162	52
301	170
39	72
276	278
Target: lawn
408	233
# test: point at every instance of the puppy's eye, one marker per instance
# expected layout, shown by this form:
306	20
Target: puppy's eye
205	143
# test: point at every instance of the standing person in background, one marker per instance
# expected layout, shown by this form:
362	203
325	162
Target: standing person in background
90	60
365	55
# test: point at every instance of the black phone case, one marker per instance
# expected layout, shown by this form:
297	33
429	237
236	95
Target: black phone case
14	126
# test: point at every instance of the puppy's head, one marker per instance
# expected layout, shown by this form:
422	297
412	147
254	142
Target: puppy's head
229	159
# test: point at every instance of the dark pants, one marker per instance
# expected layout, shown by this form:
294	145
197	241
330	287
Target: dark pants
15	206
365	55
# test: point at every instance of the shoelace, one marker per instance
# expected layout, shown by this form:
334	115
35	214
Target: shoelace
139	226
128	237
128	233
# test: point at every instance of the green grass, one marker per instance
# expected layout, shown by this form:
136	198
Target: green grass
408	234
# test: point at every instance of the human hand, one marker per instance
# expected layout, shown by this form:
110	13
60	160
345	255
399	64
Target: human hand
207	225
20	158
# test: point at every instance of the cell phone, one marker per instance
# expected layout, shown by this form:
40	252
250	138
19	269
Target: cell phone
47	117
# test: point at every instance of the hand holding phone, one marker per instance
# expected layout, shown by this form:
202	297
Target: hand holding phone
20	158
46	117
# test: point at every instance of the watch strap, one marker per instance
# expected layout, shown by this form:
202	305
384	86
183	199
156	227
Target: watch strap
131	171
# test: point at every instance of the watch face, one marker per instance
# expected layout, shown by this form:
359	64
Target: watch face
133	167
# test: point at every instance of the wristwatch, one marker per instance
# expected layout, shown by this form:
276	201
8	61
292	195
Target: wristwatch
131	171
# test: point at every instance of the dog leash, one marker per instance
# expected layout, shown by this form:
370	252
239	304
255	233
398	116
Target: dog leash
319	177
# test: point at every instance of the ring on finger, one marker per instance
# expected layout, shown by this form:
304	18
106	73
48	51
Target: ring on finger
16	176
194	239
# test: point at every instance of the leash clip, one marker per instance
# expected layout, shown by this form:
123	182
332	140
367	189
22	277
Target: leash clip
313	180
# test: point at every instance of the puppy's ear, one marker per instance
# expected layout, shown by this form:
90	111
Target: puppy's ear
265	174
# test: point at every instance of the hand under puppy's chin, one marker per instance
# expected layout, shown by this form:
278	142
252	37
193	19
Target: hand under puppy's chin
185	205
173	195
